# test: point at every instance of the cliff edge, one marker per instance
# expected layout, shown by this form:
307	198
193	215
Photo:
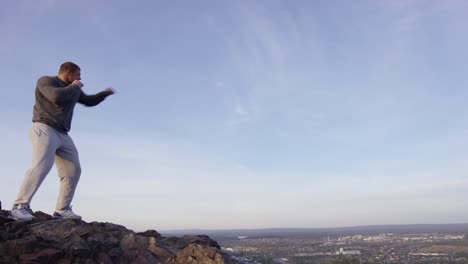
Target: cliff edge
66	241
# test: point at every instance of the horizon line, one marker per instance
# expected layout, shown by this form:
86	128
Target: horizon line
301	228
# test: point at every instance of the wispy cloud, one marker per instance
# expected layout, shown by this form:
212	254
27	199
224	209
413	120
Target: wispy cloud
261	47
241	115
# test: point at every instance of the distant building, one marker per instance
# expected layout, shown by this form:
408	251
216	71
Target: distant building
280	261
429	254
348	252
352	252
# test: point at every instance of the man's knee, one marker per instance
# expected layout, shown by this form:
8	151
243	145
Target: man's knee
72	173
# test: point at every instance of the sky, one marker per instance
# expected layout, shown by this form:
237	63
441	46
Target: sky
248	113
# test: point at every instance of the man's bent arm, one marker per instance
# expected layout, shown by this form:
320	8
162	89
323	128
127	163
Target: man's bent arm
57	95
92	100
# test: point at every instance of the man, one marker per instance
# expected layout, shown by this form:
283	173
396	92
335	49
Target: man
56	98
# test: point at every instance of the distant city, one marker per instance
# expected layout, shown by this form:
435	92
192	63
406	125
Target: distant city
366	244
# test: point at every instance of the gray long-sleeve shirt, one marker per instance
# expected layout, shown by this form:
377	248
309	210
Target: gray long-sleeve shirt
55	102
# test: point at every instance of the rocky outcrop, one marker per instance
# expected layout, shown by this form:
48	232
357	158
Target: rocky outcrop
65	241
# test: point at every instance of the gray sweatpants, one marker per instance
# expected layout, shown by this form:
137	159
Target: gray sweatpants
48	146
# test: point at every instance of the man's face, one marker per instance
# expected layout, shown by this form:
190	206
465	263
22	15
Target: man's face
74	76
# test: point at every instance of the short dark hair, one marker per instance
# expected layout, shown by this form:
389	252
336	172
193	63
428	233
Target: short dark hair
68	67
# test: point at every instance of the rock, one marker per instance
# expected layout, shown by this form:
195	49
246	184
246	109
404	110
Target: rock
17	247
177	244
109	227
49	255
137	244
197	254
60	229
102	241
103	258
77	247
140	256
66	241
163	253
150	233
201	240
41	216
16	229
5	219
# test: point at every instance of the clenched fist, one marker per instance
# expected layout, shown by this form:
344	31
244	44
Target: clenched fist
109	91
78	83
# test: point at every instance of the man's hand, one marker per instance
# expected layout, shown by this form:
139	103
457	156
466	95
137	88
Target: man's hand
77	83
109	91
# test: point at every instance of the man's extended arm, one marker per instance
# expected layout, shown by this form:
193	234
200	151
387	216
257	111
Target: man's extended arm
58	95
92	100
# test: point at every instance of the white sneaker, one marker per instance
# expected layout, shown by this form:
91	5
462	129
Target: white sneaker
65	214
21	212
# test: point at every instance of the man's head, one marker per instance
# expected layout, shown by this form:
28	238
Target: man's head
69	72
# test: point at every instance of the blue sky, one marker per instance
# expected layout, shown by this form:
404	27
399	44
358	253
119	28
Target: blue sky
249	114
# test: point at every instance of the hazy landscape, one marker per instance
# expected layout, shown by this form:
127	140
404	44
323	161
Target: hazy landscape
429	243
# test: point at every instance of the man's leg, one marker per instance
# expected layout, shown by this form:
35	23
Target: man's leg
69	171
44	143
